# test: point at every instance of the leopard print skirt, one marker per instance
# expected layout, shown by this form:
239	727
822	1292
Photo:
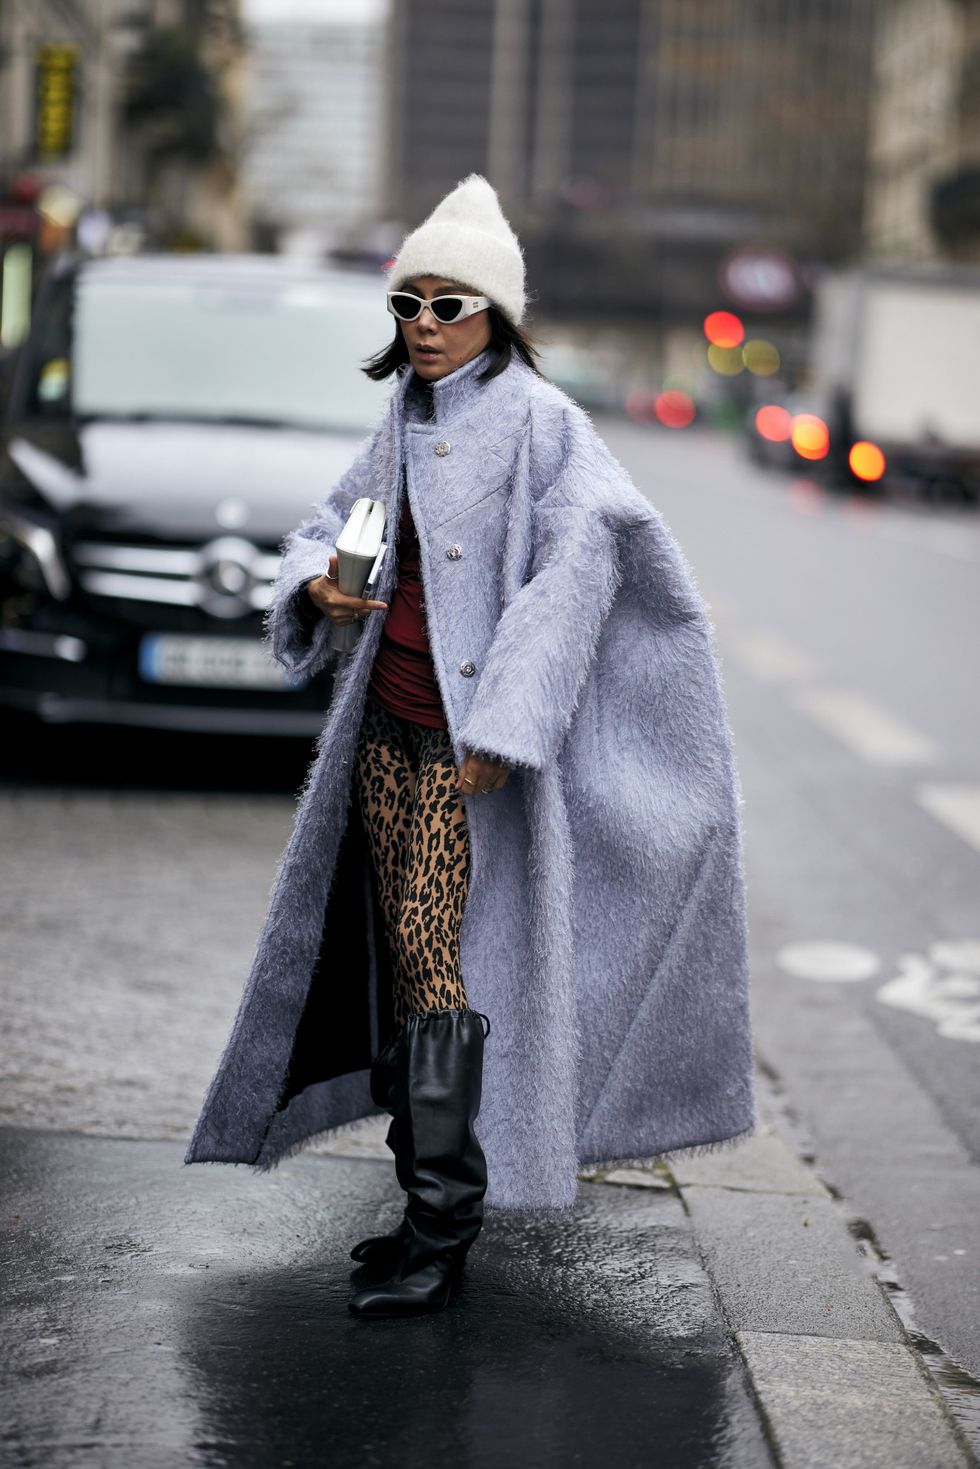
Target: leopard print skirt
418	837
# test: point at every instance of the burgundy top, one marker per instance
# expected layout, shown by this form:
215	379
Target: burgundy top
402	676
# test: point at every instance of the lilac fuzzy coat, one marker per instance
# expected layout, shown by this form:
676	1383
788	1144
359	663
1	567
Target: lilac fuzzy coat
604	932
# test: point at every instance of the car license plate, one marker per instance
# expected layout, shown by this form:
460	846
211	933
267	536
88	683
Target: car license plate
219	663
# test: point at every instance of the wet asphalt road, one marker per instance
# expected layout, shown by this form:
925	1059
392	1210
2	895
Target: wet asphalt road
159	1315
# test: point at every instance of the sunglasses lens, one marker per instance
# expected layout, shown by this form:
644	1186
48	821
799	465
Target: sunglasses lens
446	308
407	307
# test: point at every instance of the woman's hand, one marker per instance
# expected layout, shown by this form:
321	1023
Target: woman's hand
326	595
481	773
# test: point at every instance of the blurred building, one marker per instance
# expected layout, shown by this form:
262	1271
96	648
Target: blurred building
131	105
924	152
636	144
182	119
312	166
60	74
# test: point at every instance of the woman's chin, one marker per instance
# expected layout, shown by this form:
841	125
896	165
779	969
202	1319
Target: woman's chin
429	367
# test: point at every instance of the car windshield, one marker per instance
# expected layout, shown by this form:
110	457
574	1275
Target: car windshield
286	353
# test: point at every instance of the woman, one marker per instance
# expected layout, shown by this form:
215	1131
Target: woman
524	805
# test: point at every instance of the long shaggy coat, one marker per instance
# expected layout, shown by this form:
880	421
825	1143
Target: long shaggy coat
604	931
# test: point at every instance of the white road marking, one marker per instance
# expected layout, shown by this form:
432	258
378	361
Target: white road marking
867	729
771	658
957	954
943	986
828	962
957	806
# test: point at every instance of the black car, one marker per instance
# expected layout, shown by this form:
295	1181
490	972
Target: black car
168	420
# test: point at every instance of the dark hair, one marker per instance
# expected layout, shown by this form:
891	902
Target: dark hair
505	339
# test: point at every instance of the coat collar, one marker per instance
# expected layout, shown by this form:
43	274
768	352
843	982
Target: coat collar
480	419
455	394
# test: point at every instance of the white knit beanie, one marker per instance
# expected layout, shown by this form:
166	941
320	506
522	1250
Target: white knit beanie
467	239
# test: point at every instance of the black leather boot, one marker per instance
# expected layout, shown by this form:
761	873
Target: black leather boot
378	1255
438	1160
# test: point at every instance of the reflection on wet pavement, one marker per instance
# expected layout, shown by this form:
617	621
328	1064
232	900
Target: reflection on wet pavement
159	1314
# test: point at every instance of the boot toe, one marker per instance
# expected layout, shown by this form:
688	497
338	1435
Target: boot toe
427	1290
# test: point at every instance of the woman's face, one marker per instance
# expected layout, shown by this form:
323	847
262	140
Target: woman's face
452	342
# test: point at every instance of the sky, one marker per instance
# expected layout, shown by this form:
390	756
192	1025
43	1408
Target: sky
259	11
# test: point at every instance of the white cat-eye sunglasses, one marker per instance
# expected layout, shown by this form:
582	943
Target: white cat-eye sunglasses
408	307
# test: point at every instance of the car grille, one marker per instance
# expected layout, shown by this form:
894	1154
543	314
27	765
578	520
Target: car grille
227	577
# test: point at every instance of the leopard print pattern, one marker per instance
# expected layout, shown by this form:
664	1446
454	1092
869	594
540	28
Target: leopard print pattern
417	833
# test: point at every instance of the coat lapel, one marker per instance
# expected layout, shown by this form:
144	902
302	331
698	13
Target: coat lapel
483	438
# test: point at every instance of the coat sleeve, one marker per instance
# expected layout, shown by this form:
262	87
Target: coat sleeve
298	633
546	638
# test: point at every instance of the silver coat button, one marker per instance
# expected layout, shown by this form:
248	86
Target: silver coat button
442	448
454	552
467	669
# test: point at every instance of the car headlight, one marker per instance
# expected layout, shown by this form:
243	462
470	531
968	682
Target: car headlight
41	545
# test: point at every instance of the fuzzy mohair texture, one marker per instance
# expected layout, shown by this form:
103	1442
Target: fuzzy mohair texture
604	931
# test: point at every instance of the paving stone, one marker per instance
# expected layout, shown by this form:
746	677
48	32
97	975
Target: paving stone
787	1264
849	1404
763	1163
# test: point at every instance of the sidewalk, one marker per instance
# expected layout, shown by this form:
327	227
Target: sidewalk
835	1378
714	1313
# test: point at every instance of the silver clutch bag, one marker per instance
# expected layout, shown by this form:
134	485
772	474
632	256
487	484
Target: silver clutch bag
360	551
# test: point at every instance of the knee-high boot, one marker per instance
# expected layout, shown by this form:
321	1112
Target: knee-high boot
378	1255
438	1078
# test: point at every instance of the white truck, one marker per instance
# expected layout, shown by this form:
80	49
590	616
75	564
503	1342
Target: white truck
896	360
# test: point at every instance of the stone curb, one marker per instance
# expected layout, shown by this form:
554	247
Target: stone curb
835	1376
